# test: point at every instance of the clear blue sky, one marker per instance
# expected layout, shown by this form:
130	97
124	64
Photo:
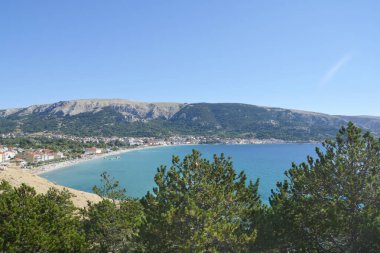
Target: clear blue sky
313	55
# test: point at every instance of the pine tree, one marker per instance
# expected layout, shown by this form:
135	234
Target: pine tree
113	224
109	188
38	223
332	203
200	206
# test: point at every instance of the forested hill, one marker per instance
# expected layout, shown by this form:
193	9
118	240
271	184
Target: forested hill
116	117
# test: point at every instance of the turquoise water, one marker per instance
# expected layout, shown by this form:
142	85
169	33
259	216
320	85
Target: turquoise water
135	170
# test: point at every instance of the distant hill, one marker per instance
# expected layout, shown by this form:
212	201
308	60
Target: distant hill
368	122
117	117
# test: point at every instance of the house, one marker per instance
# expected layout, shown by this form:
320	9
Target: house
32	156
92	151
19	162
8	155
134	142
41	155
59	155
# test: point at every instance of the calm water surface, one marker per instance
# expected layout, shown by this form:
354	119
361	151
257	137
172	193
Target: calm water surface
135	170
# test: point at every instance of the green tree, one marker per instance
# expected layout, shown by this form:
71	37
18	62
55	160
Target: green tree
332	203
200	206
38	223
113	224
114	227
109	188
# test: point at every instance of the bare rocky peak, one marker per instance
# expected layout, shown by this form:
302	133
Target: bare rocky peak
128	108
7	112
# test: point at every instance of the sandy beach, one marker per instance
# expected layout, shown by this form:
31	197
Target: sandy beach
61	165
16	176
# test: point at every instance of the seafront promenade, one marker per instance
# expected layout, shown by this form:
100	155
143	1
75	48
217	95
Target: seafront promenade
63	164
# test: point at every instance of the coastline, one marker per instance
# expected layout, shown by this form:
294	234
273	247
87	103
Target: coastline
64	164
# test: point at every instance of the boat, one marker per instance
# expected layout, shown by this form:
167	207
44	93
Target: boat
111	158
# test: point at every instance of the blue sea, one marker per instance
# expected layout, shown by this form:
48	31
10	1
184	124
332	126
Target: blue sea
136	169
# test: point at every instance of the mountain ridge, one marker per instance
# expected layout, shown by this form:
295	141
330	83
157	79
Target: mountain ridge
73	107
122	117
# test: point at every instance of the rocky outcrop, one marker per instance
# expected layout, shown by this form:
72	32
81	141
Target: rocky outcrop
132	109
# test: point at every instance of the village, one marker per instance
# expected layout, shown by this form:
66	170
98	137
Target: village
28	158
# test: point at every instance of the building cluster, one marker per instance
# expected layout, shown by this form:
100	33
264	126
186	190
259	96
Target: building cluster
152	141
22	157
8	153
41	155
11	135
191	140
93	151
25	157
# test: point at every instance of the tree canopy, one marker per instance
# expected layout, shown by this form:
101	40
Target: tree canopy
199	206
38	223
330	203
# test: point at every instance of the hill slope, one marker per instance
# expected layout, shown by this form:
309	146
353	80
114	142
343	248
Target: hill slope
118	117
16	177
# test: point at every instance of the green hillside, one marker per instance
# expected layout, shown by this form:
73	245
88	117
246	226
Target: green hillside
221	119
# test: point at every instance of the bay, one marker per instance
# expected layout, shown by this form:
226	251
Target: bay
136	169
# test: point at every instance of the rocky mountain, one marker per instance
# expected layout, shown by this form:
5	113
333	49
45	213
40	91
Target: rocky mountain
117	117
130	109
369	122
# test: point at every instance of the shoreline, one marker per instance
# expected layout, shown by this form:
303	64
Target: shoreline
64	164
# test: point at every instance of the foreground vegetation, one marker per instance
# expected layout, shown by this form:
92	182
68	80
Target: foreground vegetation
328	204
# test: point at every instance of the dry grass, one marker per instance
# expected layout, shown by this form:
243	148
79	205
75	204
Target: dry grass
16	176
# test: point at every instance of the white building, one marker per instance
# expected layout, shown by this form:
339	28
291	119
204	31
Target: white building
8	155
92	151
59	155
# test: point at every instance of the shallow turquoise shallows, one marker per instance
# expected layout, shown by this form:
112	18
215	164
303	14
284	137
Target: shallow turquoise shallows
135	170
